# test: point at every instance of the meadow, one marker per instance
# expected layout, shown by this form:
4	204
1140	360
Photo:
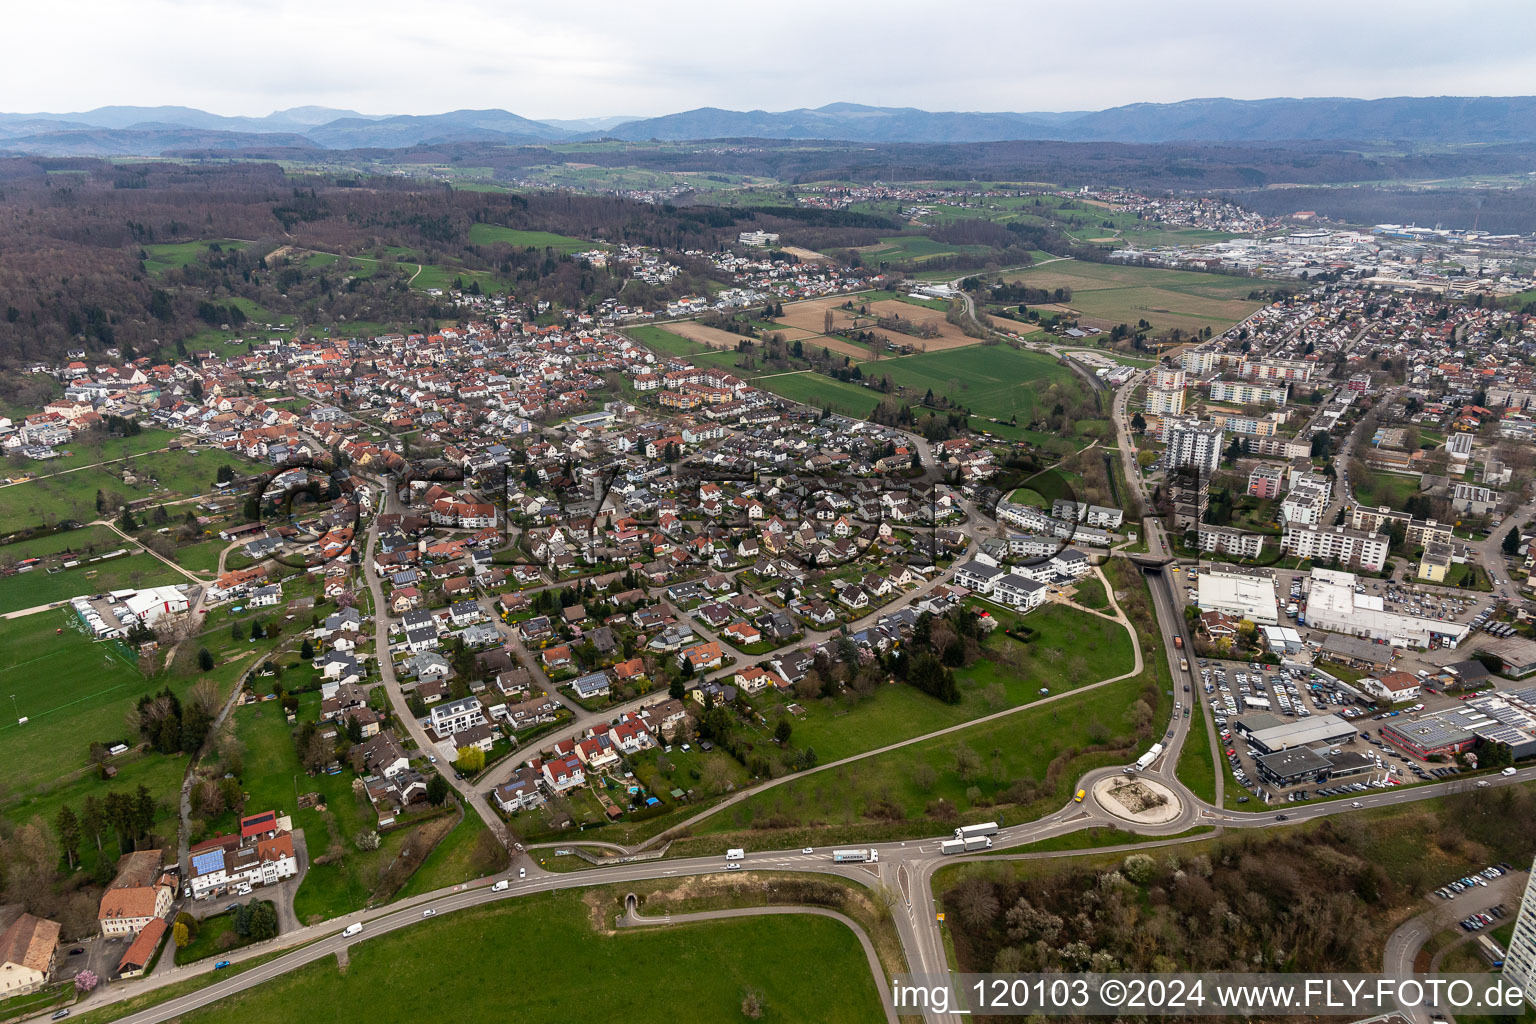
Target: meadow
991	381
1105	295
706	968
493	234
39	587
175	255
816	391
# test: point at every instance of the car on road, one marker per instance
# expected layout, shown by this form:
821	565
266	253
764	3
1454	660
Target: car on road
1079	797
61	1014
1356	803
221	965
809	849
429	912
733	866
76	951
1279	817
1508	771
522	872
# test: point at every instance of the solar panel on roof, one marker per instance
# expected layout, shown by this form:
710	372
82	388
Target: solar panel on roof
210	860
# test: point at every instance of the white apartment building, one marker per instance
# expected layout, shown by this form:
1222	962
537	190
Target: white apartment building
1192	443
1358	548
1224	540
1249	393
457	716
1165	401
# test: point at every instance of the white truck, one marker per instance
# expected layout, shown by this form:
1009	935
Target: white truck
855	856
735	854
970	845
1146	759
986	828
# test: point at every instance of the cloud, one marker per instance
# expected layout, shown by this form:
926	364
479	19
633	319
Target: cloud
598	57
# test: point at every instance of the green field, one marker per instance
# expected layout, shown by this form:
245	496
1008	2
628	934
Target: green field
72	691
1196	769
92	539
1070	648
894	791
492	234
990	380
815	390
39	587
1106	295
703	970
916	249
72	495
175	255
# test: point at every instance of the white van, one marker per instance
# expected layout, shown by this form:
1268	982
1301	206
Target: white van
351	930
500	886
735	854
1508	771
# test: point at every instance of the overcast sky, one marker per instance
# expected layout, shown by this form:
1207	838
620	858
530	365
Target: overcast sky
596	57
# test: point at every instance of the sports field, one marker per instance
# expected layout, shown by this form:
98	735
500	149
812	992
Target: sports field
1105	295
38	587
71	690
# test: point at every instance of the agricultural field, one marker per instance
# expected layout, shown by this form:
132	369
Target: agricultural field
992	381
713	337
816	391
706	967
810	316
1105	295
495	234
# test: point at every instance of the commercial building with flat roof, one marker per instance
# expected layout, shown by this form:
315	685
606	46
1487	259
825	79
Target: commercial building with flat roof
1333	605
1520	957
1243	595
1300	733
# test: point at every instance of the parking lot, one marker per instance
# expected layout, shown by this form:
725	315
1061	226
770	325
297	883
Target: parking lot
1235	691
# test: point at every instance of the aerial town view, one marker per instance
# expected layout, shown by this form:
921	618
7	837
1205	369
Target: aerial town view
816	517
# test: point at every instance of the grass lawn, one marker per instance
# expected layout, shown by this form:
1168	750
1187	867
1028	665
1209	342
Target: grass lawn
1108	294
30	589
490	234
1071	648
166	475
990	380
706	967
1374	488
452	862
664	341
210	939
1196	769
201	556
896	793
71	689
1089	593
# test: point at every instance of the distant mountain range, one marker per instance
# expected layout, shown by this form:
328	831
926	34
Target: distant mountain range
1418	121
